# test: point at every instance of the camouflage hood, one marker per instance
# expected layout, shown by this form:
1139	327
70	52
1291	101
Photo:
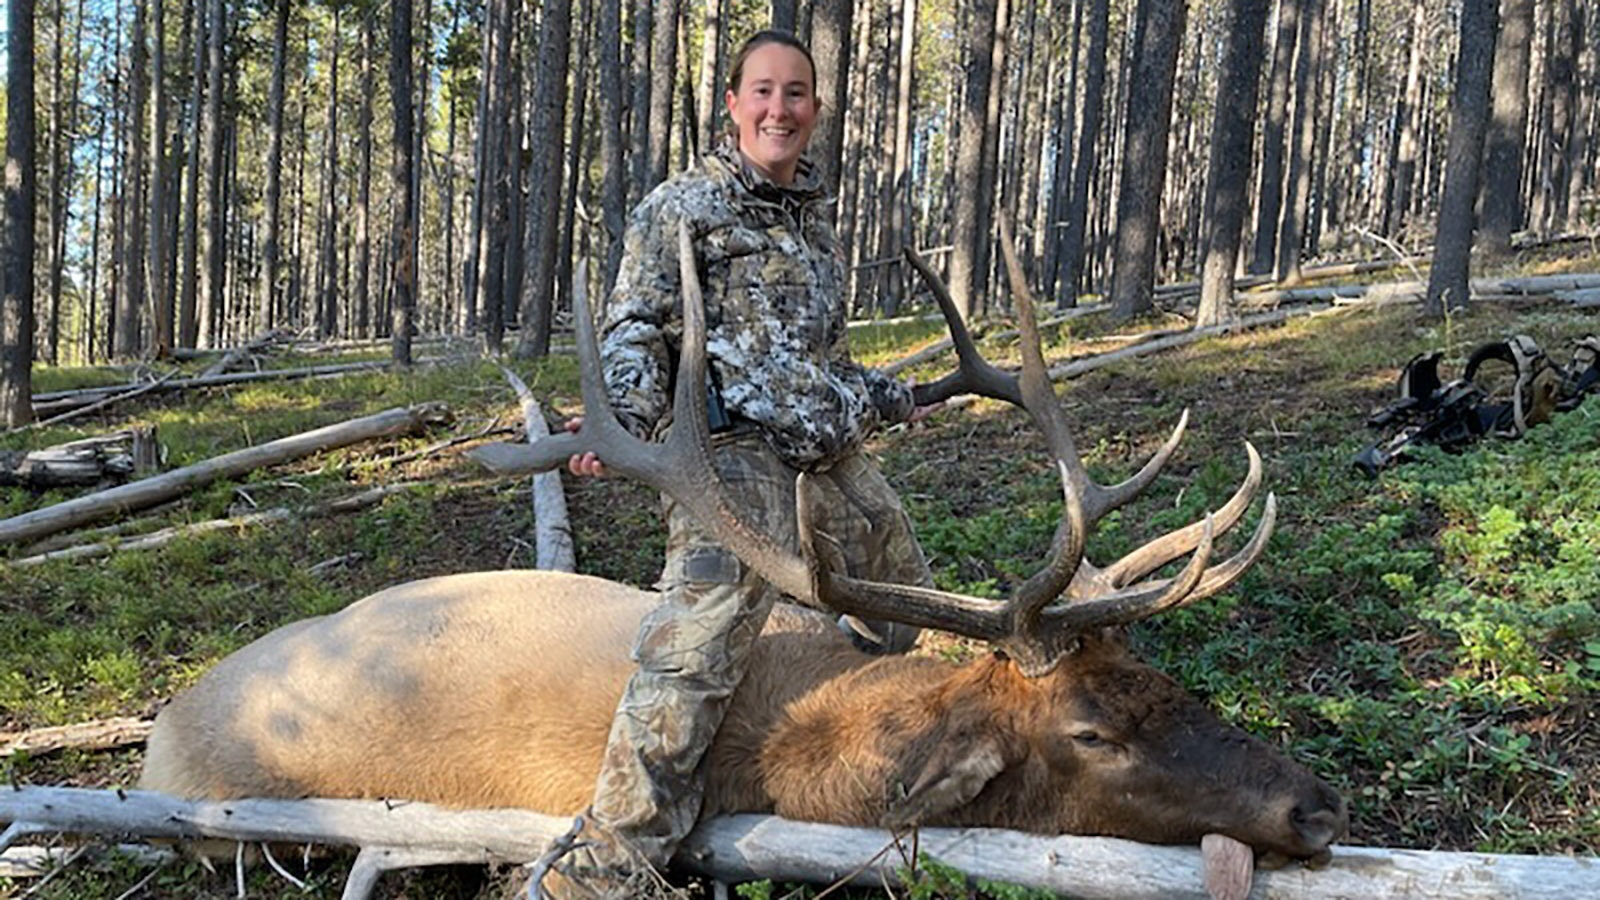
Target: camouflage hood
772	272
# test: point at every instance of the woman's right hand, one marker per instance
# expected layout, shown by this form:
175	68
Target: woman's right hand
583	464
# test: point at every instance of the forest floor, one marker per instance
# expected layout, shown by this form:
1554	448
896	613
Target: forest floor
1429	641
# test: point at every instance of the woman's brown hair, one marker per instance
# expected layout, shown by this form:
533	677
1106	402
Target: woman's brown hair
761	39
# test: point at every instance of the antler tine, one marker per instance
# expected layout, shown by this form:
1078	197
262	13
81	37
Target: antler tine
1169	547
975	375
1122	607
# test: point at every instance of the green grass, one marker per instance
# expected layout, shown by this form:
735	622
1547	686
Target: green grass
1428	642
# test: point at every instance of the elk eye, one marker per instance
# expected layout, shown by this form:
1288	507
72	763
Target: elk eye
1089	738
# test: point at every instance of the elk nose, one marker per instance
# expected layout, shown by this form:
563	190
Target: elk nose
1320	818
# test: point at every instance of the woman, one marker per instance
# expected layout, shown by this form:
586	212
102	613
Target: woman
785	398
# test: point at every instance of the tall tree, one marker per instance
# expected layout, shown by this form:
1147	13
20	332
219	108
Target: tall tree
709	98
544	179
830	47
1469	120
216	162
1227	180
363	198
1502	169
162	338
403	289
1269	176
189	278
638	180
613	193
266	314
966	275
1403	157
1158	31
494	173
1069	264
785	16
130	284
663	76
1303	133
21	206
328	264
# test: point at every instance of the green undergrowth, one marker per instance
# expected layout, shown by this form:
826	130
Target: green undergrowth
1428	641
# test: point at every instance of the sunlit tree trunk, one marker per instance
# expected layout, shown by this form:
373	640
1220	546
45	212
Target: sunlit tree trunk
709	97
1269	177
161	339
130	284
830	45
967	275
1403	159
1469	120
1502	169
363	199
328	287
1303	134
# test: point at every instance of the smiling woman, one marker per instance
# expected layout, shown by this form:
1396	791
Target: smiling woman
773	103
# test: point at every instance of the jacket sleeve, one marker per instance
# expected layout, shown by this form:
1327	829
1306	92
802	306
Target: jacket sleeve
641	325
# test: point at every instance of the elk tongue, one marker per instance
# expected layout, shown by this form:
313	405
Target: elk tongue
1229	867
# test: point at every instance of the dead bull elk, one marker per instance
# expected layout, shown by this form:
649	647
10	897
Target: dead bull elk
497	688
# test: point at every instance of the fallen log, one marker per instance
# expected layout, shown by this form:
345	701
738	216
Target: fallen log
102	735
90	461
553	547
751	847
255	345
146	492
164	536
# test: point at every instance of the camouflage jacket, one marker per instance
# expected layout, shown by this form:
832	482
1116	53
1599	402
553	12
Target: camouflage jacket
772	273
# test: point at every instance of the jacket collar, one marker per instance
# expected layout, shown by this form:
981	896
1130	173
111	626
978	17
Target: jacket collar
807	185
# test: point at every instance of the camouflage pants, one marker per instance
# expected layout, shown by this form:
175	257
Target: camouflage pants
693	649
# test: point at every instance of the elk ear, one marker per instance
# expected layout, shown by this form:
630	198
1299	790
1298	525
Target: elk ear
958	768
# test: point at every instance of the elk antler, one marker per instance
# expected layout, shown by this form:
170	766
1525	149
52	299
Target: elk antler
1029	626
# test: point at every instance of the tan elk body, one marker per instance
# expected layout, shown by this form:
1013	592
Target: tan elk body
497	689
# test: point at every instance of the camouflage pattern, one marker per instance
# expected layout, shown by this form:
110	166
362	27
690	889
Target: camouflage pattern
694	648
772	273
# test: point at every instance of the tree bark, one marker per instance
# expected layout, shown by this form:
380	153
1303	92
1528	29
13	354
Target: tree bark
1269	177
1228	178
613	196
663	77
266	314
161	312
363	198
1070	263
1469	118
1159	31
21	206
709	97
328	264
403	185
544	179
639	124
126	342
216	161
830	46
1403	159
966	274
1502	170
785	15
188	326
1303	132
494	174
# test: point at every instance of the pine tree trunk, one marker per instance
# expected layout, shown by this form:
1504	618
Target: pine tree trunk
784	15
708	95
328	264
21	206
613	195
830	46
1404	156
1297	187
130	286
189	278
55	197
1144	154
1469	120
1070	263
266	315
1228	178
544	179
989	173
216	161
363	199
161	339
1269	178
1502	169
494	173
663	76
402	305
638	180
967	274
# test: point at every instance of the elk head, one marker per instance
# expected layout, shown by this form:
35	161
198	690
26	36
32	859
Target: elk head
1063	728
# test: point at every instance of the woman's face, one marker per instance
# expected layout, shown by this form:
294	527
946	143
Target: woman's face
775	109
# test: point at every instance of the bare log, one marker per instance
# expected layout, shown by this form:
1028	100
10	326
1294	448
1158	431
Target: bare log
164	536
101	735
150	491
552	537
233	356
749	847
